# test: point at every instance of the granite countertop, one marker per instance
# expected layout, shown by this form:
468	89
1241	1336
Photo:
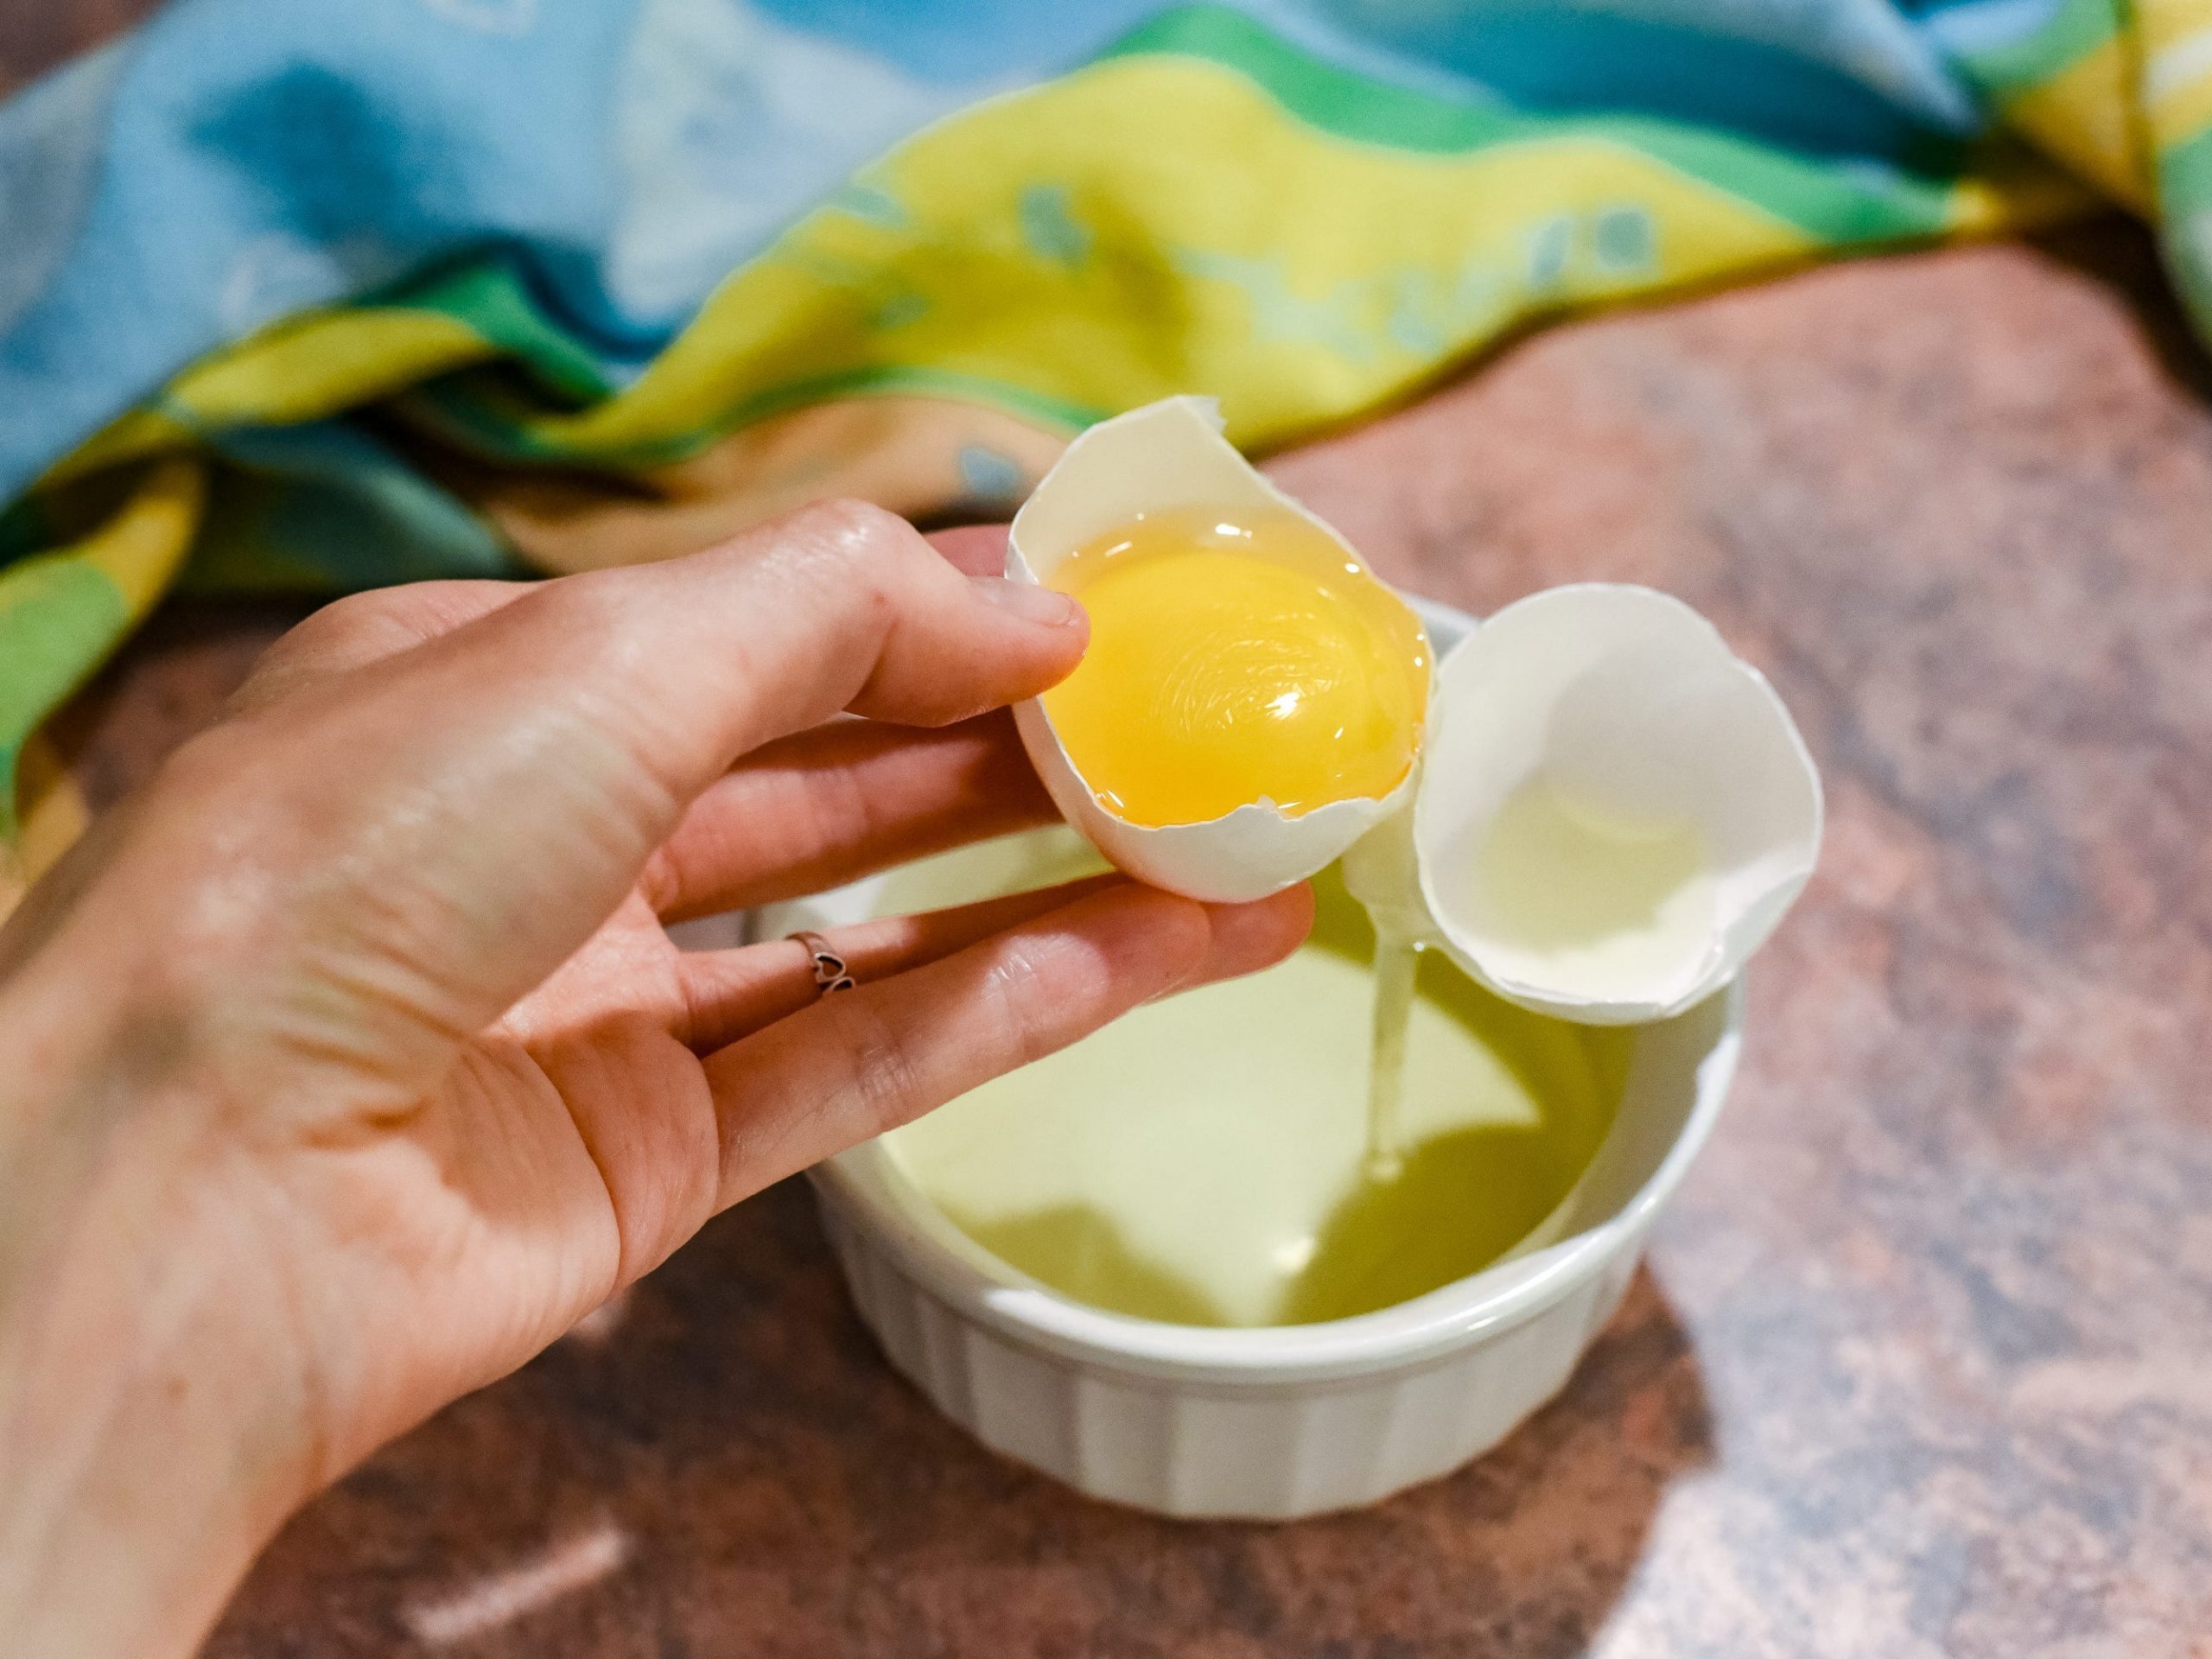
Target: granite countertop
1922	1361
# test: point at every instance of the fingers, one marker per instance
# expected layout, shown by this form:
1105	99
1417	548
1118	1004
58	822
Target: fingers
581	718
840	607
364	628
728	994
861	1061
647	684
425	834
827	806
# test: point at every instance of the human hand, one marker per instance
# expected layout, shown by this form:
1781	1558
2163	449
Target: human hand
348	1063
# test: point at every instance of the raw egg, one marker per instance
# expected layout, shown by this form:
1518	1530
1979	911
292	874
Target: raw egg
1253	698
1235	657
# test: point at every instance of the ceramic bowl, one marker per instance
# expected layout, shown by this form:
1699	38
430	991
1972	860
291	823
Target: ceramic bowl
1288	1420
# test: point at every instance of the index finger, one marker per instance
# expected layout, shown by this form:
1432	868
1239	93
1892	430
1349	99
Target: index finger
690	663
368	627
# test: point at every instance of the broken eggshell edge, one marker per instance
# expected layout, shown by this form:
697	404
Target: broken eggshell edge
1166	456
1759	808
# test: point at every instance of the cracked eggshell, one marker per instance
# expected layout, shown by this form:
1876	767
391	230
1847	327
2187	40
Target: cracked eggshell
1629	703
1166	456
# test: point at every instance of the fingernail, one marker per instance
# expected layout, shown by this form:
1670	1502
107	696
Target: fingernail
1047	606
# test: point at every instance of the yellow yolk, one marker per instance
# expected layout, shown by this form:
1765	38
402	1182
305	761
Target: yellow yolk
1236	657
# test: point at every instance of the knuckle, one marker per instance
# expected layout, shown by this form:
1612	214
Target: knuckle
848	529
335	623
885	1083
328	624
592	615
860	549
1026	989
589	598
309	644
841	812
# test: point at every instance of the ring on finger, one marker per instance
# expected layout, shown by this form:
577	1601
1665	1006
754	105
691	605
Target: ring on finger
830	973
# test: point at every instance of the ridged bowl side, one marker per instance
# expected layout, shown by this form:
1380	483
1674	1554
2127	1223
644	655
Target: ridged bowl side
1267	1452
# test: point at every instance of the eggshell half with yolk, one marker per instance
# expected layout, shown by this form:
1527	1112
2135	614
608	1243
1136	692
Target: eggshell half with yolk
1167	456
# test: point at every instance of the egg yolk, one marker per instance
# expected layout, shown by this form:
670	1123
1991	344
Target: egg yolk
1236	657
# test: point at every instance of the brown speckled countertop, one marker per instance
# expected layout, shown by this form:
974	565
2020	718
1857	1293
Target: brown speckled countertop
1921	1363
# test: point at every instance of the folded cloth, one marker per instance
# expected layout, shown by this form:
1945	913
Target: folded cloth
328	295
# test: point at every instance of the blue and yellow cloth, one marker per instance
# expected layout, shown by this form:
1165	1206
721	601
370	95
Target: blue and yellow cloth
340	292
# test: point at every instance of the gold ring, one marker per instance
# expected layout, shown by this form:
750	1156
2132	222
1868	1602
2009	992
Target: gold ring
830	973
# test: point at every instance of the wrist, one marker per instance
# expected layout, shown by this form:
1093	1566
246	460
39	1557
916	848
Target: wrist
150	1434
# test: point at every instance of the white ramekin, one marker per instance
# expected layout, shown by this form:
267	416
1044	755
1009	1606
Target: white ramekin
1288	1420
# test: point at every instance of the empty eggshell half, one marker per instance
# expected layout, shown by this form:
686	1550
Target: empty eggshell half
1616	811
1166	455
